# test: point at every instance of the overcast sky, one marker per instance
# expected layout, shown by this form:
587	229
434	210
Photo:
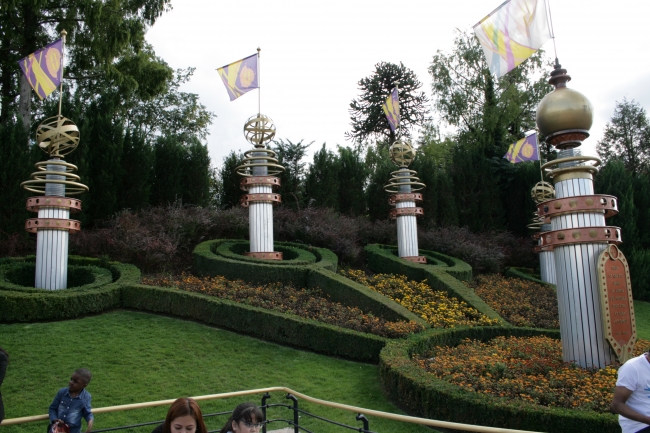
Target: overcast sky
314	53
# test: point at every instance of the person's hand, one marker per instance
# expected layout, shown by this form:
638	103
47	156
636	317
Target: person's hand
57	421
90	425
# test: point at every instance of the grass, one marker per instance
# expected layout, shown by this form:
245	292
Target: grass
138	357
642	315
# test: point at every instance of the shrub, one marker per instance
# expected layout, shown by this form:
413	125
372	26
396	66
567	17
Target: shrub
487	252
438	309
308	303
520	302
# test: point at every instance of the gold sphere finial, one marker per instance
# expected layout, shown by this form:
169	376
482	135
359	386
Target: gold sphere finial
57	136
402	153
564	116
259	130
542	191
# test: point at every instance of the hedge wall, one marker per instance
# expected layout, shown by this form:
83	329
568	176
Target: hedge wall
444	275
524	274
42	305
268	325
422	394
309	267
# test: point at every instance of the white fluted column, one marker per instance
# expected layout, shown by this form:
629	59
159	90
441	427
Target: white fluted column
581	327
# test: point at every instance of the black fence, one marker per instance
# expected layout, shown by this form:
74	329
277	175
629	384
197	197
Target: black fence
267	423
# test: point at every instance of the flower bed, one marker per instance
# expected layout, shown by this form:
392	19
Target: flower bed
311	303
435	307
520	302
526	369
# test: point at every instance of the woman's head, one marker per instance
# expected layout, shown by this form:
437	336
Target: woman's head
246	418
184	416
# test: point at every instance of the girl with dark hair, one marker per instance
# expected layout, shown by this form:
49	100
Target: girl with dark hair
184	416
4	360
245	418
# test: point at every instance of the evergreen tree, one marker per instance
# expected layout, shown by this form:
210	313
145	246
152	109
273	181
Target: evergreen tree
321	183
627	137
197	174
380	167
367	117
16	164
168	172
291	156
137	165
352	180
229	179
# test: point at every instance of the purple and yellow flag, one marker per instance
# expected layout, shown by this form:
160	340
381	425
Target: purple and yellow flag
391	109
44	68
512	33
523	150
240	77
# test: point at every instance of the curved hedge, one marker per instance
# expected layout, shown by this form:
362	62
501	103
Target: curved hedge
266	324
42	305
424	395
222	257
524	275
19	276
444	275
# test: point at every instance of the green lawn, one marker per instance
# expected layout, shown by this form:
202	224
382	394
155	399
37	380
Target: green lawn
642	314
137	357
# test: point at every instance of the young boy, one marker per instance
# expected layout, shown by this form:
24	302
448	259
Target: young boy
73	402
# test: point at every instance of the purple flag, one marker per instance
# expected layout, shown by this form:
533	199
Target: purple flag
44	68
391	109
523	150
240	77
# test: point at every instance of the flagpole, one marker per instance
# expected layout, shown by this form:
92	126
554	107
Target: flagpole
63	34
549	18
259	84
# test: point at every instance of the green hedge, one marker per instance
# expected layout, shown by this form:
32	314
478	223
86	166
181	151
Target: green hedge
424	395
19	276
525	274
44	305
222	257
445	277
268	325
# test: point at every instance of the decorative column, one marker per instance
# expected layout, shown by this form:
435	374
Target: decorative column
54	178
578	232
403	185
541	192
258	170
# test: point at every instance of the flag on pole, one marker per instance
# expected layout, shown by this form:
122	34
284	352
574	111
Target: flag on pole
44	68
391	109
523	150
512	33
240	77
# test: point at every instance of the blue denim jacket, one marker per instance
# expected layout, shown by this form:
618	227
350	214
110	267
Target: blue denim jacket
70	410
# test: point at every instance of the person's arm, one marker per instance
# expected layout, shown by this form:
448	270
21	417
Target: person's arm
621	394
3	366
90	418
54	408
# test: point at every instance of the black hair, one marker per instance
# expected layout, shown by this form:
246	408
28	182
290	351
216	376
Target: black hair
85	374
248	412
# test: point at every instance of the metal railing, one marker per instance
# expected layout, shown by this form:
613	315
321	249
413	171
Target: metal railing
294	407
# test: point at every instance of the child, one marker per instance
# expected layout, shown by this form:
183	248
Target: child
73	402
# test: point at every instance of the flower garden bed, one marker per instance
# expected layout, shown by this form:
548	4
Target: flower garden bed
525	369
521	302
307	303
436	307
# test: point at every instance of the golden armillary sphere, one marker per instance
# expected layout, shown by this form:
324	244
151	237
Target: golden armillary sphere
542	191
402	153
57	136
259	130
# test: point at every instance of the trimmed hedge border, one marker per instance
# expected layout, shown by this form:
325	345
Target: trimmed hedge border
44	305
524	275
211	260
422	394
446	278
12	274
266	324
